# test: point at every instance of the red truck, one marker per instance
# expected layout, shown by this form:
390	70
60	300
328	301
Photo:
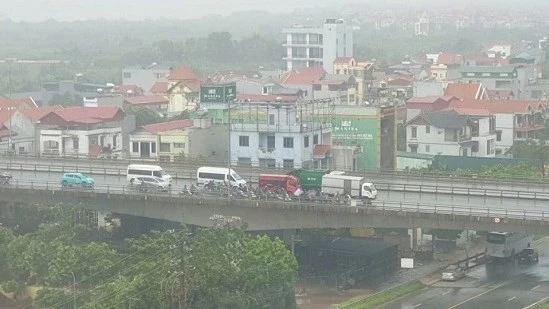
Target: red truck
286	182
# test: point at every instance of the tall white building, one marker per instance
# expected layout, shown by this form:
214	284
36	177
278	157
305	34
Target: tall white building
317	46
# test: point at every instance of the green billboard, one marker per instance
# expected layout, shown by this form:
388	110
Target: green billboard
218	93
359	131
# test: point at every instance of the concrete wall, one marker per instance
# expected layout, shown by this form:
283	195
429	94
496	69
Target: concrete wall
411	162
210	143
505	124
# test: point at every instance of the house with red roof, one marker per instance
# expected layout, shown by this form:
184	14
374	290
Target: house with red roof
183	90
303	79
82	131
174	140
18	104
516	120
420	105
466	91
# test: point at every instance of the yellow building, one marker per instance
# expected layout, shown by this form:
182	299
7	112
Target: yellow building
362	73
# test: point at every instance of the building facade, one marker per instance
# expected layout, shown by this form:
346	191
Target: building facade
145	77
317	46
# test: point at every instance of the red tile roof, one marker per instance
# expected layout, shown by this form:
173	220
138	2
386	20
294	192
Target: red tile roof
303	76
464	91
431	103
168	126
182	73
160	87
146	100
498	107
431	99
500	93
4	132
266	98
5	115
321	150
449	59
82	115
128	90
468	111
343	60
37	113
17	103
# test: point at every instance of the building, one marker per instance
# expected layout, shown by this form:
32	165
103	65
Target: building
446	67
82	131
317	46
153	102
421	27
420	105
500	94
303	79
280	135
362	73
145	77
183	90
499	50
492	77
341	88
128	90
515	120
451	133
174	140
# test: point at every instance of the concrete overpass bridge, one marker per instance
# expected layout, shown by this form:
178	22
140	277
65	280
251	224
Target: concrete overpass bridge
531	216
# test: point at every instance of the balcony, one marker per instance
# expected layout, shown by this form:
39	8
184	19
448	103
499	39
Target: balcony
273	128
526	127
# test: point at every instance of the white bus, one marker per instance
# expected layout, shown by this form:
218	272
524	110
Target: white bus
507	245
136	170
206	174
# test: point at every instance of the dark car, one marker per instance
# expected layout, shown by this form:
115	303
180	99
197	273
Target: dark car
528	255
4	178
147	184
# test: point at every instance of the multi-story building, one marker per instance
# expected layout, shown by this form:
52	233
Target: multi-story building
317	46
183	90
492	77
451	133
278	135
361	71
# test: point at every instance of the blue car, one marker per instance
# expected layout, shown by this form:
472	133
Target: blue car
77	179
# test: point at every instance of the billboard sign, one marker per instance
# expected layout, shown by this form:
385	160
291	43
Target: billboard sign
221	93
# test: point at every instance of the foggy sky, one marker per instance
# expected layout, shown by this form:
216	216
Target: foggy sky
70	10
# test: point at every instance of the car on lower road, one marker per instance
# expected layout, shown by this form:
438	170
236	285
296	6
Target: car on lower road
145	184
452	273
77	180
528	255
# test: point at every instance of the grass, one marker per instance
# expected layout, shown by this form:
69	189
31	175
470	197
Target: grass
539	236
384	297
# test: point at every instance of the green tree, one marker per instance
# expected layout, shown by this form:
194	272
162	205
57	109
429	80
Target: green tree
146	116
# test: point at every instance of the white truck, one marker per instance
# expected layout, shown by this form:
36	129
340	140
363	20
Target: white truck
354	186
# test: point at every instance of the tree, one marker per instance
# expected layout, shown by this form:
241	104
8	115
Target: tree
146	116
66	100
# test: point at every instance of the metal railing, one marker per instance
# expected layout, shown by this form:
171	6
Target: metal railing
336	206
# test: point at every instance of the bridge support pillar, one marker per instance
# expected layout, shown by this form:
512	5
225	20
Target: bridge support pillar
415	238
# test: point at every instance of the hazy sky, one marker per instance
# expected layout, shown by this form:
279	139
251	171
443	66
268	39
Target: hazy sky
38	10
69	10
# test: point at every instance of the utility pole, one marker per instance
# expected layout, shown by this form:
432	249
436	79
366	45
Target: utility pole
73	290
229	152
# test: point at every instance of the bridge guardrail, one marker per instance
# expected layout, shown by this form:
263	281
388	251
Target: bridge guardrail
71	162
384	206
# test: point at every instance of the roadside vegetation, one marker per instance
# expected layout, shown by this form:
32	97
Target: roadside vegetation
205	268
381	298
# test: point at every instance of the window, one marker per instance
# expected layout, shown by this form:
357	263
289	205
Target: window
465	152
351	98
414	132
288	142
315	139
427	148
474	148
317	87
288	163
178	145
306	142
271	119
488	147
75	143
165	147
244	141
244	161
265	90
127	74
102	140
135	147
427	129
271	142
413	148
498	136
114	139
153	147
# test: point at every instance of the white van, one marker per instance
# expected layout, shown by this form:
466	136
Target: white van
136	170
219	175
